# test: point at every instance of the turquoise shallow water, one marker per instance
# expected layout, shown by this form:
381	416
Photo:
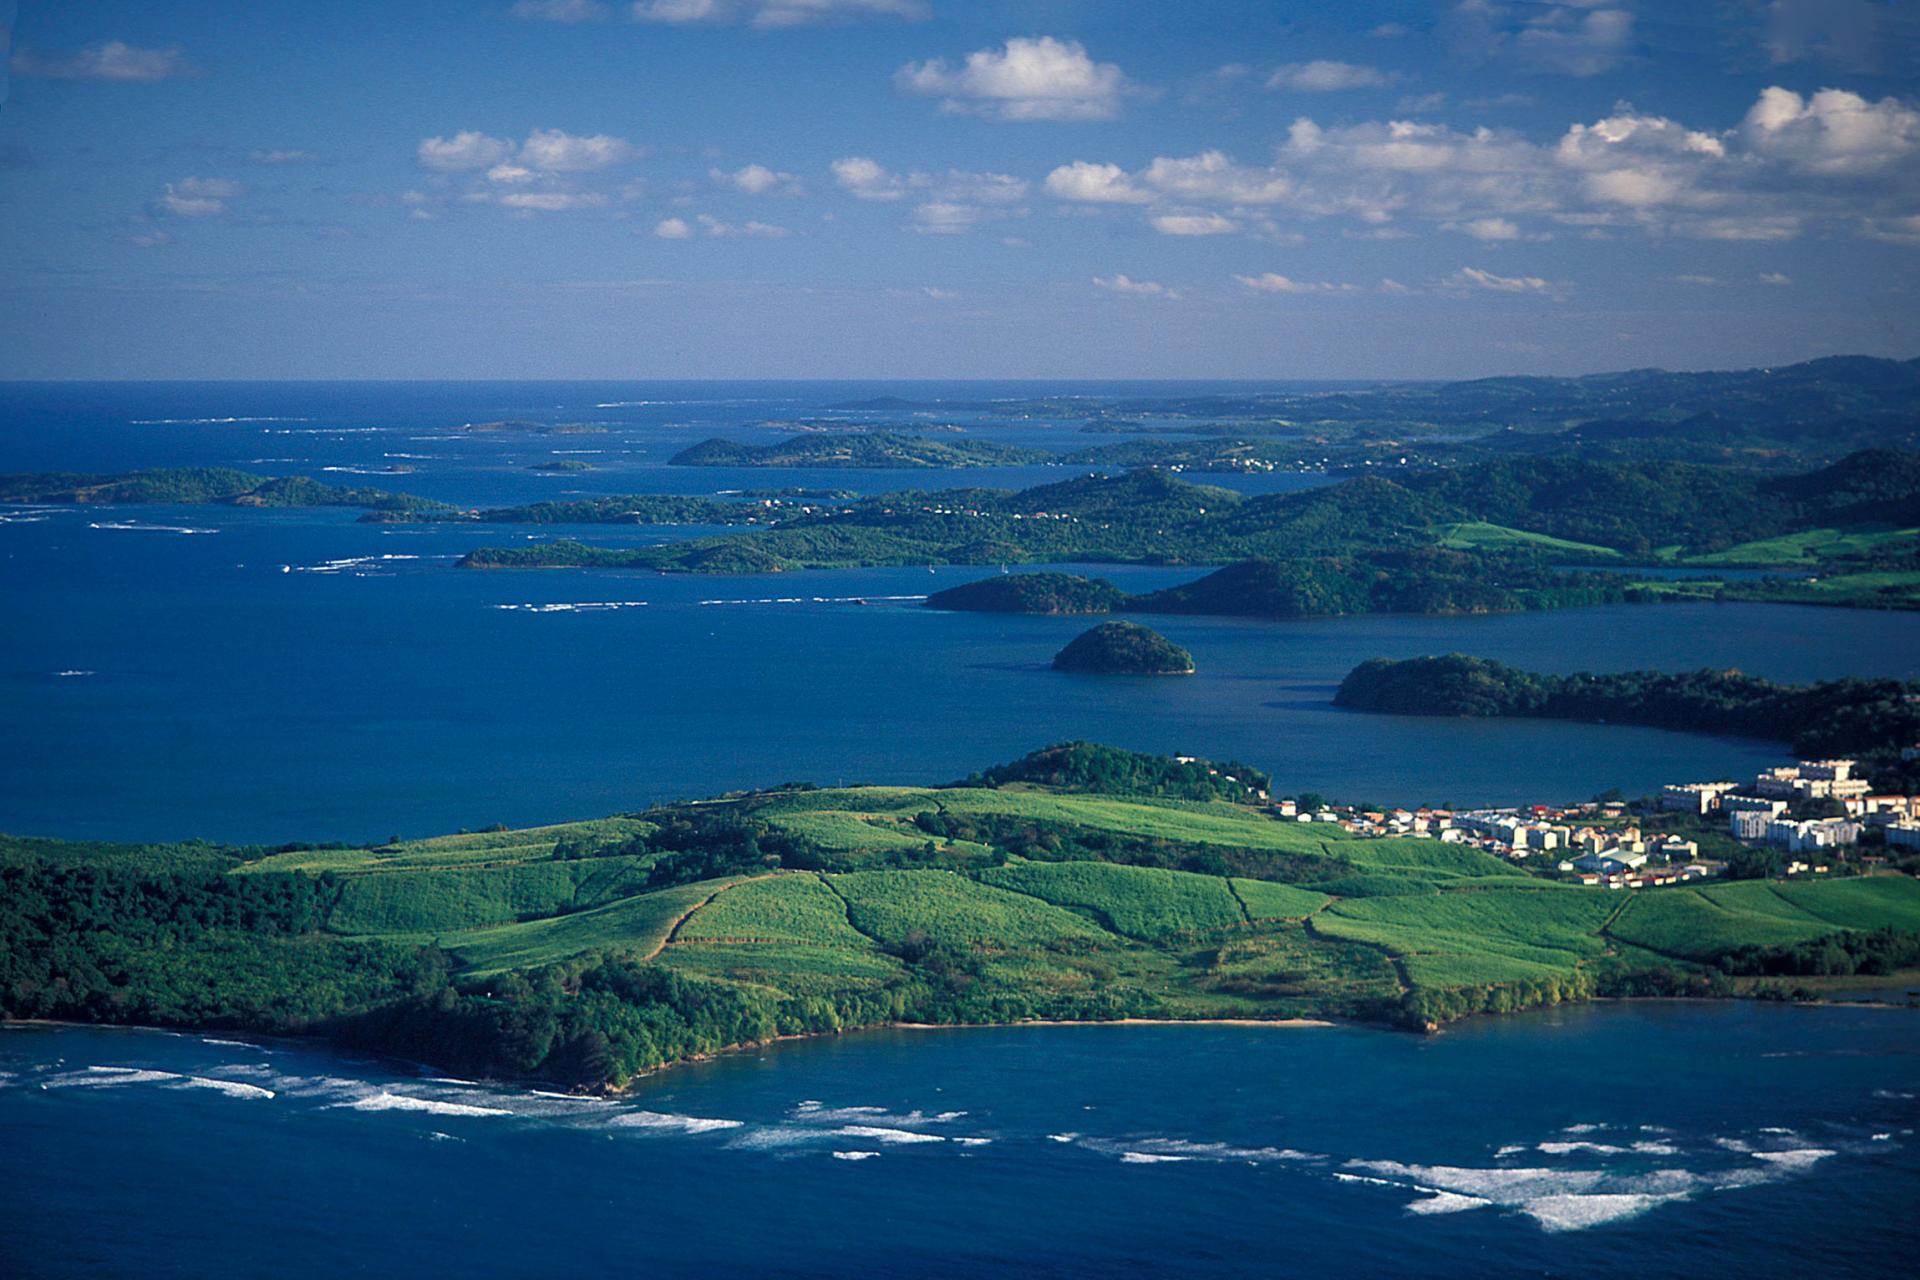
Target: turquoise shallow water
1645	1141
293	674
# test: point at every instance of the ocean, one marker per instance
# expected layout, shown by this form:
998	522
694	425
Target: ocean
1643	1140
250	675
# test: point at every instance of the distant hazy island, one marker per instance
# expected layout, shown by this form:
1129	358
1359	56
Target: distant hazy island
206	486
1078	883
864	450
1123	649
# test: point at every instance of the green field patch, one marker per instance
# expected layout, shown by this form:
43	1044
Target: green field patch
1685	922
1476	535
1861	903
798	910
452	898
952	910
1266	900
1140	902
790	970
637	925
1444	937
527	844
1423	859
1810	546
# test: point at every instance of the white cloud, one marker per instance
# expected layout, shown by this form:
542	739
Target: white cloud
281	157
772	13
552	201
1030	78
1095	184
868	179
1696	279
462	152
563	11
1774	277
1193	224
556	151
1474	278
1896	230
673	229
511	175
1832	132
756	230
114	62
1325	76
1273	282
1489	229
1137	288
945	217
1211	176
755	180
196	197
149	239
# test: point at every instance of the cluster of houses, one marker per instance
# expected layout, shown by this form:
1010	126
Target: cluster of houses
1761	811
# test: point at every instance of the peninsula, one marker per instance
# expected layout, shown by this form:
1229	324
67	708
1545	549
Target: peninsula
1079	883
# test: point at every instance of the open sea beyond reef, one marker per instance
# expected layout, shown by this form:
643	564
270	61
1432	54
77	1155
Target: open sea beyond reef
1648	1140
251	675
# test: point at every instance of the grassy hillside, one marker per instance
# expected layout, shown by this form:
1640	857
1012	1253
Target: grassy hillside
586	952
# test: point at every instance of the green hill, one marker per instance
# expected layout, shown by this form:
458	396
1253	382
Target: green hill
1077	883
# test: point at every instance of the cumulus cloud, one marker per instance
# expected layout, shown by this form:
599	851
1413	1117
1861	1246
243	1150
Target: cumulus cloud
772	13
1832	132
1324	76
950	204
1118	283
868	178
1030	78
1095	184
1274	282
1774	277
114	62
462	152
556	151
673	229
1832	159
196	197
564	11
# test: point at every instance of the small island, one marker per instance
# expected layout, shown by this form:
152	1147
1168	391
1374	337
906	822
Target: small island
562	465
1124	649
1057	594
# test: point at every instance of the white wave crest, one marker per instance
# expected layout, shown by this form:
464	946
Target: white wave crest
855	1155
581	606
385	1101
232	1088
1578	1212
1150	1157
1804	1158
662	1122
141	526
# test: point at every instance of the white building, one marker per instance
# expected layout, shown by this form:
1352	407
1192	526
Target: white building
1821	833
1694	797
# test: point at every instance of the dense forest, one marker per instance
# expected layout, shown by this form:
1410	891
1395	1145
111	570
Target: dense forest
858	450
1123	649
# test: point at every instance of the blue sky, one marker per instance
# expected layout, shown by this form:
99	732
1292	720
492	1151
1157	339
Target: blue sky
954	188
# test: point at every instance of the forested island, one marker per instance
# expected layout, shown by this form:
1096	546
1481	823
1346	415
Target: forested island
1044	593
205	486
1078	883
1474	538
859	450
1123	649
1872	719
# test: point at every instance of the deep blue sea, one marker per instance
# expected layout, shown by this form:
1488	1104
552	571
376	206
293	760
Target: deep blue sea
273	675
1643	1141
249	675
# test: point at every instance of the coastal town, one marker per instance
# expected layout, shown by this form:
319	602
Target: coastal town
1812	818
